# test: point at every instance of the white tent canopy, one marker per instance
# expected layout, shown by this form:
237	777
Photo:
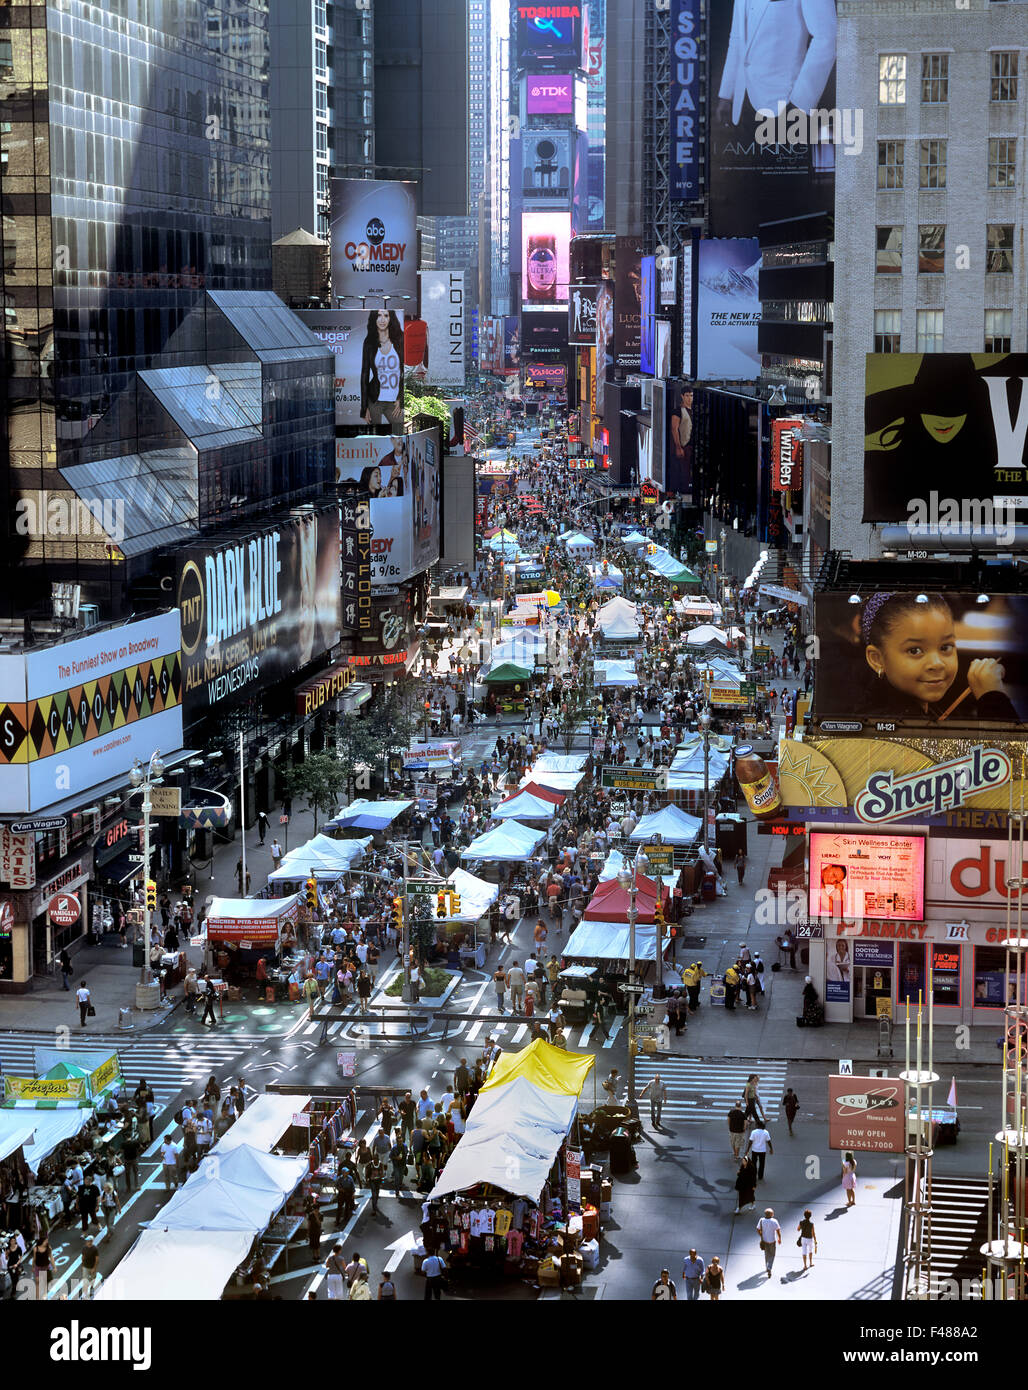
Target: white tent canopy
672	825
691	761
321	856
511	841
244	1166
697	606
263	1123
618	620
513	1135
610	577
165	1266
635	538
706	635
16	1129
578	542
476	896
50	1128
614	673
610	941
557	772
527	806
215	1205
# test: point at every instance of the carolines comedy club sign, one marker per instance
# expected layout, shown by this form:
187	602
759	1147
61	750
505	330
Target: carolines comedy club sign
887	797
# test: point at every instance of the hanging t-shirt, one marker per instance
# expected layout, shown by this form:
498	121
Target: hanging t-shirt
503	1222
476	1223
514	1241
488	1221
387	365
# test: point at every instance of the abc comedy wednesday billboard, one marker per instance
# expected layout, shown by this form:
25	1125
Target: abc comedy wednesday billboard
80	712
367	347
401	476
256	610
948	661
951	423
374	245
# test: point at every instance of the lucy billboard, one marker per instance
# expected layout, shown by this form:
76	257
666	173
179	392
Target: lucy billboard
374	242
443	310
545	258
367	347
549	95
953	425
400	474
256	610
80	712
935	660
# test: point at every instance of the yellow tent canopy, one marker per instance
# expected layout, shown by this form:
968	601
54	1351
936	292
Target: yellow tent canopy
548	1067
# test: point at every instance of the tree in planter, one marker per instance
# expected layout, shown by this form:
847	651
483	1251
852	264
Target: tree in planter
423	938
359	747
320	780
577	705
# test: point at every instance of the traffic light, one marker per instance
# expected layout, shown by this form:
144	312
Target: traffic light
658	915
454	903
397	916
151	895
440	904
312	894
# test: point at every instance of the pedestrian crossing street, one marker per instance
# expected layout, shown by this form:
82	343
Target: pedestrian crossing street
700	1091
170	1065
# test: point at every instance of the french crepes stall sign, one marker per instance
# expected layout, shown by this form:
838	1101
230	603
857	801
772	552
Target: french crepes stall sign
867	1114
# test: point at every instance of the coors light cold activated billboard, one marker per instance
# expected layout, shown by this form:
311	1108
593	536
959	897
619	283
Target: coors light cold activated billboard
400	474
257	609
953	425
374	244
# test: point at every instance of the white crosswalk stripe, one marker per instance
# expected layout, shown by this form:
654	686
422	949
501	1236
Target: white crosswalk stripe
699	1091
514	1030
170	1064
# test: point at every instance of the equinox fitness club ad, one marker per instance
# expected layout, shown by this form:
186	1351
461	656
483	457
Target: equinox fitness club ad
258	609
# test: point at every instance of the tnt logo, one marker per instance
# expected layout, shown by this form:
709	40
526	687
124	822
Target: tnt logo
376	231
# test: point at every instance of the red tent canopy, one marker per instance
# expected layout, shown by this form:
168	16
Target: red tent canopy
610	902
544	793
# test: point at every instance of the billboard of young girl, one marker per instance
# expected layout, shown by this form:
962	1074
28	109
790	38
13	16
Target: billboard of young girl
927	658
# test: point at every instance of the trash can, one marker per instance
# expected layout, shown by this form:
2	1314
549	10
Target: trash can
124	1018
622	1155
138	955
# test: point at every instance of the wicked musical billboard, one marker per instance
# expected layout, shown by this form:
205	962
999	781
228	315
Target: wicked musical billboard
257	609
950	424
931	660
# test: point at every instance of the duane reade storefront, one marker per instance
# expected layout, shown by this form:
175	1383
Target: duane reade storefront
941	929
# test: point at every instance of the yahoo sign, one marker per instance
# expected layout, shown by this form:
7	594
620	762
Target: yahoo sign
549	96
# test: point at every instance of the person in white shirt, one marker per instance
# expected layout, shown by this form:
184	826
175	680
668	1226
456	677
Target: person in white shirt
778	54
760	1146
169	1162
770	1237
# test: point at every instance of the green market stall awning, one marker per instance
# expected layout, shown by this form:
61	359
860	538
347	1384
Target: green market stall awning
506	672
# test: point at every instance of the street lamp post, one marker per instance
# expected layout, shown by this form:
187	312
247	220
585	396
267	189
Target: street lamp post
631	882
146	779
704	722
